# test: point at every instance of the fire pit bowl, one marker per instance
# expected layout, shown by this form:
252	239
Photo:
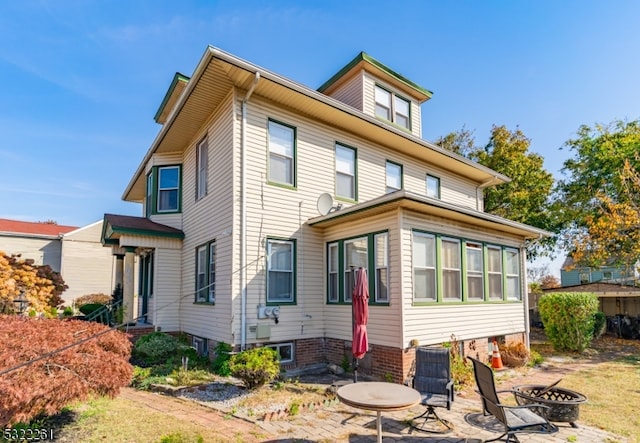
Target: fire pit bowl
563	403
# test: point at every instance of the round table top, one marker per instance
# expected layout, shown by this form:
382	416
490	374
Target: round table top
378	396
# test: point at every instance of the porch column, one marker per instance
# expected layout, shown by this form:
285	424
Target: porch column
128	284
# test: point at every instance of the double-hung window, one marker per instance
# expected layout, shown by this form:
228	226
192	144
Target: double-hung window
282	149
345	172
206	273
394	176
202	165
512	265
392	107
475	272
281	279
345	257
451	269
433	186
168	189
424	267
494	272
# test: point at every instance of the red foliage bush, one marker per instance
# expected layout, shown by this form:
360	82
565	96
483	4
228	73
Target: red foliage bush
92	360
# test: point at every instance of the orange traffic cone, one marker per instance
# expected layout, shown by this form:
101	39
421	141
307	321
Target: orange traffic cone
496	360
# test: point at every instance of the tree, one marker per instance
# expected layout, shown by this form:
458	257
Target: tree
597	203
40	284
525	198
48	363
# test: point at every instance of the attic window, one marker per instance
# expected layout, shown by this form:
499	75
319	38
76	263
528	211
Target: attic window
391	107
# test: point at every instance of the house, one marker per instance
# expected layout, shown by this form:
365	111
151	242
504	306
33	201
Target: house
261	196
572	274
76	253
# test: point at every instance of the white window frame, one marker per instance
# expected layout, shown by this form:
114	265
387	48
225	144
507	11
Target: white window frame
512	274
393	176
495	275
432	254
282	151
349	277
432	184
388	107
200	345
449	270
473	275
278	346
202	170
346	160
271	270
333	264
175	189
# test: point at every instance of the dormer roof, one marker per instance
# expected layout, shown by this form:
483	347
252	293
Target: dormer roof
178	84
364	61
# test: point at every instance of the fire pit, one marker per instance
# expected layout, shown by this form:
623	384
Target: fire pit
563	403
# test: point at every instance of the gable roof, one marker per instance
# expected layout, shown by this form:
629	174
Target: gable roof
35	229
219	72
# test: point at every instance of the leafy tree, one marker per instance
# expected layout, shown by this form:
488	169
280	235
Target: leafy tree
525	198
549	281
48	363
41	285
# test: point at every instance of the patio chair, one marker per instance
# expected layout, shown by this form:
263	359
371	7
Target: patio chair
433	380
515	419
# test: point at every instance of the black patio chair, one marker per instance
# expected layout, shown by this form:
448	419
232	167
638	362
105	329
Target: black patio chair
433	380
515	419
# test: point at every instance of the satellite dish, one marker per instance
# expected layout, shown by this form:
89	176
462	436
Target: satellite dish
325	203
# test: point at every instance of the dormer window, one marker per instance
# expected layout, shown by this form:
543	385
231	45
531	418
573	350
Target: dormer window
392	107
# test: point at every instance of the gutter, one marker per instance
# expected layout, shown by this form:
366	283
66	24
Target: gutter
243	214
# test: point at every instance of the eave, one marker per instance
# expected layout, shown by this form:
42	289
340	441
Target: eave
117	225
428	206
218	73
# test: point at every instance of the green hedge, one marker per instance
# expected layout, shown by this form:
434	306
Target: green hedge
568	319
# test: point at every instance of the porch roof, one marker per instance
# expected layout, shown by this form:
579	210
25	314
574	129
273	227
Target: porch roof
430	206
116	225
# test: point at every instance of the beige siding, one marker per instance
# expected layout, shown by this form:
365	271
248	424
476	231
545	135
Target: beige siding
351	92
43	251
435	324
211	218
87	266
164	306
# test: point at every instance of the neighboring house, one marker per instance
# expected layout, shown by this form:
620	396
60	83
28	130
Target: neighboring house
260	196
76	253
571	274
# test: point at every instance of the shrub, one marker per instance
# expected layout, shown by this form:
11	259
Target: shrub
220	364
599	324
568	319
255	367
90	308
101	299
156	347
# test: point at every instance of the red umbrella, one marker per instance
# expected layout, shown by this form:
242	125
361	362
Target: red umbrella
360	306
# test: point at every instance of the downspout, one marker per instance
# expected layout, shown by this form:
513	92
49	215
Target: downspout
243	215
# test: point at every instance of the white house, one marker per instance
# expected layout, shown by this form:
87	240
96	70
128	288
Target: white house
261	195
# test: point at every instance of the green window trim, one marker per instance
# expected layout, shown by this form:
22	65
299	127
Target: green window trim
340	280
205	261
293	270
392	108
153	180
506	295
344	147
290	182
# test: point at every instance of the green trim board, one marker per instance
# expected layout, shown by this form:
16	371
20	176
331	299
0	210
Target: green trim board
364	57
294	252
178	77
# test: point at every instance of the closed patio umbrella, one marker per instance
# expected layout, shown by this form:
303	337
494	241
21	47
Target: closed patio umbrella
360	311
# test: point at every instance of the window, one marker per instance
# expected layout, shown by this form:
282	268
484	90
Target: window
202	165
200	345
282	153
433	186
381	259
606	275
284	350
149	201
355	256
424	267
332	253
494	272
168	189
206	273
392	107
345	172
513	273
280	271
584	278
451	270
475	272
394	177
345	257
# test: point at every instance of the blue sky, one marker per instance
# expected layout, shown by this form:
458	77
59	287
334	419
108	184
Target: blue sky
82	80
